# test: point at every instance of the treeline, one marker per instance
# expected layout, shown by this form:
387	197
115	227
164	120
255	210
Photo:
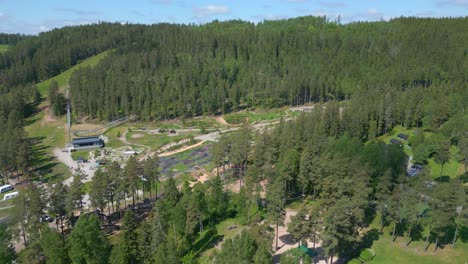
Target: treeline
11	39
168	70
16	153
37	58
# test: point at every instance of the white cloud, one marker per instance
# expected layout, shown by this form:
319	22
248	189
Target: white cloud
43	28
210	10
373	12
462	3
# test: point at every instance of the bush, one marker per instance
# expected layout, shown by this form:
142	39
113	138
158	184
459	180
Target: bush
354	261
367	255
235	119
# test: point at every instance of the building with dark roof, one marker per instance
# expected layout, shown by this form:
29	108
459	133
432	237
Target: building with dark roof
403	136
87	143
396	142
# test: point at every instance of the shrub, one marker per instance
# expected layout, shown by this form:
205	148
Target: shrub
235	119
354	261
367	255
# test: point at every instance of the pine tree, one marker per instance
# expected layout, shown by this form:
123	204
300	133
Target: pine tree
87	242
7	252
275	198
151	171
129	241
54	248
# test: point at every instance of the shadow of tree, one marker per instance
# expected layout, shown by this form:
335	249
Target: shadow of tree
287	239
416	233
442	179
463	235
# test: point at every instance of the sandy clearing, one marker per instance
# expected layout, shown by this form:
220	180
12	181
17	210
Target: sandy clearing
220	119
285	242
137	136
169	153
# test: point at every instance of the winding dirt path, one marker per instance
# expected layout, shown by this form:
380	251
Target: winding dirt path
220	119
169	153
123	138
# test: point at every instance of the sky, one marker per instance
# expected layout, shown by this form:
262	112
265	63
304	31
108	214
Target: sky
35	16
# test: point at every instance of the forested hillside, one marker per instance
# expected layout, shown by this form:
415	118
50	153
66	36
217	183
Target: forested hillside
168	71
37	58
349	188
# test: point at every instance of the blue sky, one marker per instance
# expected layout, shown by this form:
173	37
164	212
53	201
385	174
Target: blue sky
34	16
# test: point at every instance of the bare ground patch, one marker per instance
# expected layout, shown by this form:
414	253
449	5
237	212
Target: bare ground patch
137	136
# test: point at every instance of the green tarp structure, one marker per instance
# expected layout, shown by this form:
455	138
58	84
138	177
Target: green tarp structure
308	251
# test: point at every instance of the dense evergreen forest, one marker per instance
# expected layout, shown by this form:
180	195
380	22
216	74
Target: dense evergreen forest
177	70
371	76
167	70
37	58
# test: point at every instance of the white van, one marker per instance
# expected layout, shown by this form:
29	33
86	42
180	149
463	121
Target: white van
9	196
5	188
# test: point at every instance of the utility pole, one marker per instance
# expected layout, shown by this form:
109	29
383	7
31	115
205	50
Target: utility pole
68	118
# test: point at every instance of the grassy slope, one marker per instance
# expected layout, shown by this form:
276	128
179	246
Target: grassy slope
397	252
451	168
224	233
51	133
258	115
62	79
3	48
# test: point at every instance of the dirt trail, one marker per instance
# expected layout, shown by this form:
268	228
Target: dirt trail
220	119
179	150
123	138
285	242
48	117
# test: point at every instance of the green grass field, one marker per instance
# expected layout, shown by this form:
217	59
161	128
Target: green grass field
224	233
3	48
397	252
154	141
255	116
62	79
84	154
200	122
49	133
451	168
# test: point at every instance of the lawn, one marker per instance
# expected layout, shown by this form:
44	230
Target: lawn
451	168
114	141
46	136
83	154
6	212
397	252
224	233
62	79
201	122
153	141
3	48
256	115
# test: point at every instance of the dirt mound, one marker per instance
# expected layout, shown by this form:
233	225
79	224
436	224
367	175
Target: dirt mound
137	135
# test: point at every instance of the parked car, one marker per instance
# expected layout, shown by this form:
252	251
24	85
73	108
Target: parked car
46	218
